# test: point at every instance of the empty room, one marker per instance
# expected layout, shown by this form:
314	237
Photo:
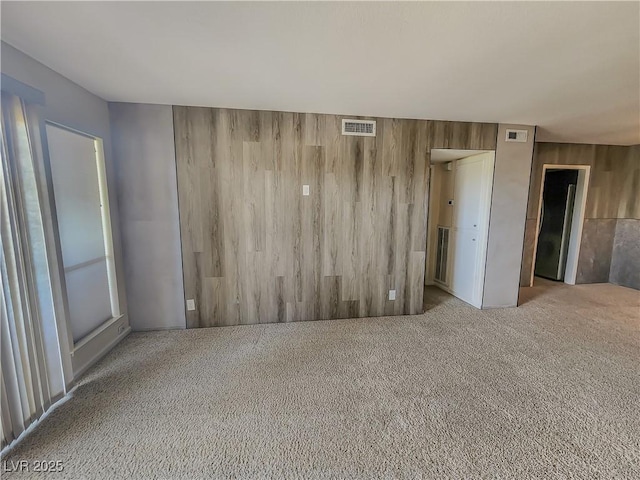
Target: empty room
320	240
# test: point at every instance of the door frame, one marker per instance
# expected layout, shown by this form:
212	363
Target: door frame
488	166
483	231
577	220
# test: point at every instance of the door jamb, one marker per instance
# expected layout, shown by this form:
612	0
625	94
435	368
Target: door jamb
577	223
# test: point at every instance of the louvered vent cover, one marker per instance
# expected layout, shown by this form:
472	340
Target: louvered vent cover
442	254
362	128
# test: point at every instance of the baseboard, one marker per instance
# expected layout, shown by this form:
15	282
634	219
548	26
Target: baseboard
158	329
491	307
90	352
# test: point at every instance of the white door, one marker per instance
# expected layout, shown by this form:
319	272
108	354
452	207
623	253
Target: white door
463	275
473	178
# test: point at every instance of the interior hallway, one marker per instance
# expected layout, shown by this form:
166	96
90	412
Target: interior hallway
547	389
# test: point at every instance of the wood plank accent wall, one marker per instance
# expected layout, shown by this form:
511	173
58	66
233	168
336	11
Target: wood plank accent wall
614	189
614	185
255	250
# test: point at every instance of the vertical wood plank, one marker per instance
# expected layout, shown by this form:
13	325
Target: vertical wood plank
256	250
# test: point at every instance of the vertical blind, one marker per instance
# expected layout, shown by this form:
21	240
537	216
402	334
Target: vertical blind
34	348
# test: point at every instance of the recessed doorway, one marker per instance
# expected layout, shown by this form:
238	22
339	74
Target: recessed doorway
461	182
562	204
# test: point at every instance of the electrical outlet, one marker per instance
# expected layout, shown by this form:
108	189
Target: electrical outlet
392	294
191	304
305	190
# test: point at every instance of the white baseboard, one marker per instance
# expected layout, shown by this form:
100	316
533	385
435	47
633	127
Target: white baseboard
87	352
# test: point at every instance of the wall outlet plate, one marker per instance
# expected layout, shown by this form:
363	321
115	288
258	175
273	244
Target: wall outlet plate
392	294
191	304
305	190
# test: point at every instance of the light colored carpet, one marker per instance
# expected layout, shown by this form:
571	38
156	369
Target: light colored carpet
550	389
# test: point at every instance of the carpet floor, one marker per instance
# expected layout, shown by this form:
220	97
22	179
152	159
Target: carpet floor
548	390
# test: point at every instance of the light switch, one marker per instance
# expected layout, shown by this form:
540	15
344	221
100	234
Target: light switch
305	190
191	304
392	294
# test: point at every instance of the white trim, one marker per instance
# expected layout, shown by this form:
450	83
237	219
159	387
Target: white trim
483	223
94	349
70	129
106	227
107	238
579	210
483	232
96	332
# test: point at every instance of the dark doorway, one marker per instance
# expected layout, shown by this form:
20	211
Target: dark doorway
555	223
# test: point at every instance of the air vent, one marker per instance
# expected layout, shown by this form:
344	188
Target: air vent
442	254
516	136
362	128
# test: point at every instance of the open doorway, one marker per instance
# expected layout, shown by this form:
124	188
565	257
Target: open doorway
563	196
461	183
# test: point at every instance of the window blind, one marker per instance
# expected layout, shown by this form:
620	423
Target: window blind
34	349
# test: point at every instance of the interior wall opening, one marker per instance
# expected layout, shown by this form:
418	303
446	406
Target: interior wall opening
559	224
461	183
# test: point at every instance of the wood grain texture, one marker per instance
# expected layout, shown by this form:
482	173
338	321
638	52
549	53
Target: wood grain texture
614	188
255	250
614	184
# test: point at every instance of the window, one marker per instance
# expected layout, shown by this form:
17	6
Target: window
82	208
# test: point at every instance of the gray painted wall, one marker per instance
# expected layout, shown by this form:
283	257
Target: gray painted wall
594	258
142	137
625	257
508	214
69	104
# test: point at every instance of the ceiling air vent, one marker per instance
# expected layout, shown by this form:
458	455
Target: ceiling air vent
516	136
362	128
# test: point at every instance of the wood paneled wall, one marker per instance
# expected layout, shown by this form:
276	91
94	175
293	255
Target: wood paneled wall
614	185
255	250
614	192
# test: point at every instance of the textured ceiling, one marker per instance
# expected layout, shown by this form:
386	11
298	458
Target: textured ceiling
571	68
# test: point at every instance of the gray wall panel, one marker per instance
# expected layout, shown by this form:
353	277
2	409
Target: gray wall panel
507	223
625	258
143	145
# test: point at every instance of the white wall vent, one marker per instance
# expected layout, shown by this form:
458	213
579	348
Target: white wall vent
442	253
519	136
362	128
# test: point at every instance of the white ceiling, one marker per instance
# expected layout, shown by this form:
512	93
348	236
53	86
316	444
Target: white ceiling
571	68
